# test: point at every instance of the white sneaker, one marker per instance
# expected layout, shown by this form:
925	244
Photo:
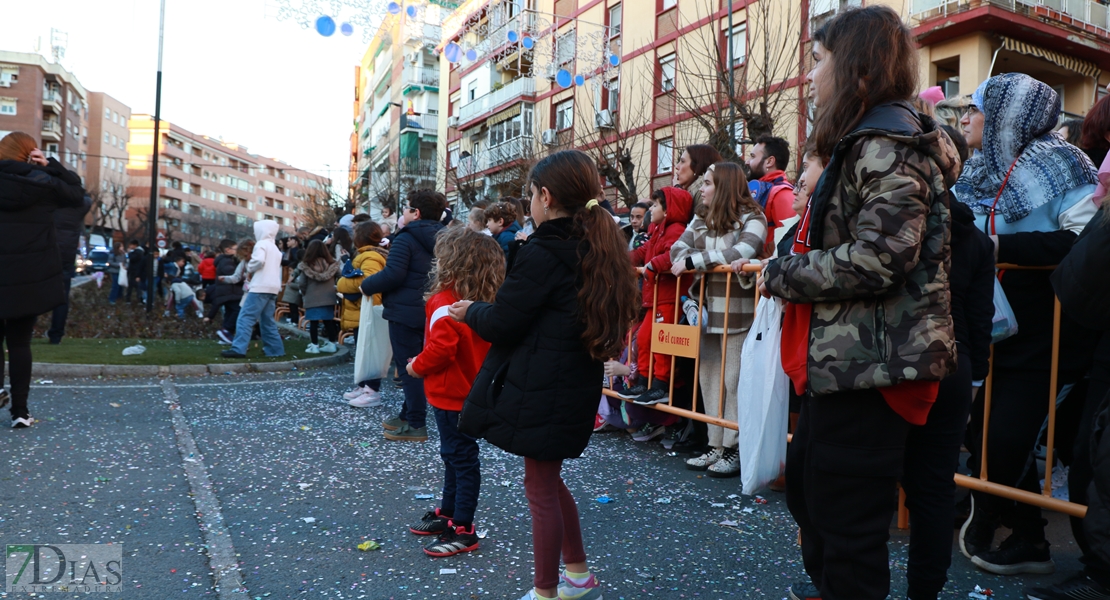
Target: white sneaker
312	349
368	400
329	347
23	422
728	466
355	393
706	460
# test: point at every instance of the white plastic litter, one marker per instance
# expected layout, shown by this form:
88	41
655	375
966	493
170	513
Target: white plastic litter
308	519
134	350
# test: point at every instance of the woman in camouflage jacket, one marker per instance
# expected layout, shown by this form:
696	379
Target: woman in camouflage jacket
867	335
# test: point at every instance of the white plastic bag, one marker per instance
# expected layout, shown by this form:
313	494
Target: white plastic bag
1005	323
122	276
763	404
134	350
373	353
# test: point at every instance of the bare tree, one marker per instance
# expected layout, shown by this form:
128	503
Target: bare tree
609	136
319	210
490	173
110	204
748	98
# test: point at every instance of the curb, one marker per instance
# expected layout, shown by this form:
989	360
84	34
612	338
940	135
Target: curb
64	370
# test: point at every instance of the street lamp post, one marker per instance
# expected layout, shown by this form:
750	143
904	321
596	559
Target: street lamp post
152	212
731	82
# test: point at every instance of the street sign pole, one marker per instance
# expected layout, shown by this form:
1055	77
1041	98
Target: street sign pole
152	211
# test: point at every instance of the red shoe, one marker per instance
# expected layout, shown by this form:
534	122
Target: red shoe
455	540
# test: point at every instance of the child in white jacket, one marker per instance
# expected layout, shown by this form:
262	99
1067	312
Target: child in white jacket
261	300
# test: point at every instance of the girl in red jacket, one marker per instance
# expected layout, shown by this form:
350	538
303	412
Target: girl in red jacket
468	266
671	209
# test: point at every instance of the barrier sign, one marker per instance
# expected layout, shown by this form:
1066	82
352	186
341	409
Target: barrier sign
676	340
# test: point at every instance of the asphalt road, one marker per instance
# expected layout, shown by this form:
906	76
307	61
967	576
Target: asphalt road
301	479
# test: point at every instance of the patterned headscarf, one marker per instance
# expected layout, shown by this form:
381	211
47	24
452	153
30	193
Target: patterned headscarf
1020	113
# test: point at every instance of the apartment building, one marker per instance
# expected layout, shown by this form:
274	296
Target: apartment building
633	82
108	137
209	189
46	101
396	111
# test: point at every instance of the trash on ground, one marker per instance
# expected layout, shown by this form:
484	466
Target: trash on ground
448	571
717	504
728	523
308	519
482	533
604	499
663	501
134	350
369	545
981	593
304	486
424	496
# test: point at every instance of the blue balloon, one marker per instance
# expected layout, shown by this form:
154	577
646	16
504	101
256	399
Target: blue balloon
614	60
452	52
325	26
393	8
346	29
471	55
411	11
579	80
563	78
528	43
513	37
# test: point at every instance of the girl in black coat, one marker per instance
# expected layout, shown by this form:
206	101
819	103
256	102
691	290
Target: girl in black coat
223	293
566	305
31	283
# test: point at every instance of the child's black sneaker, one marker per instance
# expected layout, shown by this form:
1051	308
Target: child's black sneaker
433	523
803	590
633	392
1078	587
655	395
455	540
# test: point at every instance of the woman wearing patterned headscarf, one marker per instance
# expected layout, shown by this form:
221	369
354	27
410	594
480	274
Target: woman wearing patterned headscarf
1032	192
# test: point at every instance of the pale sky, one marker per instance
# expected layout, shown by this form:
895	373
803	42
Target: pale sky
230	70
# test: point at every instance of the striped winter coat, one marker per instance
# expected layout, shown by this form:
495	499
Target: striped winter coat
702	249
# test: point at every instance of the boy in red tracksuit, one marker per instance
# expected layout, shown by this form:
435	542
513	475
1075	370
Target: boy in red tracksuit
469	266
671	209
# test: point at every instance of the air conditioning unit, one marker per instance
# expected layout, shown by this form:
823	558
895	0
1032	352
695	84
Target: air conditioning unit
453	121
551	71
414	58
549	137
604	119
6	84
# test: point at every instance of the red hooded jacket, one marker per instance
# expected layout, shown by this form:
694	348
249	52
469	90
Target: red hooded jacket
207	268
656	252
453	354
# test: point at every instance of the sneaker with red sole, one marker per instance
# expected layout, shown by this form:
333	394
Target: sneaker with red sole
432	523
456	540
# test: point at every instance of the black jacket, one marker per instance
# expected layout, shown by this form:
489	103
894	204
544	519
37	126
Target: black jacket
136	264
1082	280
971	280
69	224
224	292
1097	522
30	266
405	277
537	392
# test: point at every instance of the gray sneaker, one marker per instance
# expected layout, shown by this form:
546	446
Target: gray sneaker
591	590
405	433
393	424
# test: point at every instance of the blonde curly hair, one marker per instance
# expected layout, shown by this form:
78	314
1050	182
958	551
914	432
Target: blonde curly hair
469	263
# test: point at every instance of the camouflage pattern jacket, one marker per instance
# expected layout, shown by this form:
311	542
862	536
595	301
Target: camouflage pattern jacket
877	270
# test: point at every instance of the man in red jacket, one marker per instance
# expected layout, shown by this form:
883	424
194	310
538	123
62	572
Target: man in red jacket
767	161
671	209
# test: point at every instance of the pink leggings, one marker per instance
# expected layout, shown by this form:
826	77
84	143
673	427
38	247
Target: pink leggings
555	527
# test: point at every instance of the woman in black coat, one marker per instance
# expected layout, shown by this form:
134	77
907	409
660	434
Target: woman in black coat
31	283
568	300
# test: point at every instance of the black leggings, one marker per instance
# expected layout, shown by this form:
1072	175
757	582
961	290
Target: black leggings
17	333
331	330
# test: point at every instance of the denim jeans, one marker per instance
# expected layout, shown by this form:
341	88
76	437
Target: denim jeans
462	476
407	342
183	304
117	291
258	308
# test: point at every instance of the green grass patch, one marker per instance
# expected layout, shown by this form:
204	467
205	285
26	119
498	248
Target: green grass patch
158	352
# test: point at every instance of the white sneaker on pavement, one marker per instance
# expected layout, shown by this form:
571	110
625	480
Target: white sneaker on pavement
329	347
312	349
355	393
368	400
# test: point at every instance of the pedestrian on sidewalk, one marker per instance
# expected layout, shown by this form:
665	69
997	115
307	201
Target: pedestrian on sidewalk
69	226
136	271
469	266
116	260
867	335
317	286
402	283
568	301
32	188
261	299
370	260
225	293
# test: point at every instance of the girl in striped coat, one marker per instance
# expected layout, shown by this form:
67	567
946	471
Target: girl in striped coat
729	226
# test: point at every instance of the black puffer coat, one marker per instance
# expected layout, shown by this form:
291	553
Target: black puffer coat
30	266
537	392
225	292
405	277
69	224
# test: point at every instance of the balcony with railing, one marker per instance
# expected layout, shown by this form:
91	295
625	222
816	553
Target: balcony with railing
425	122
421	77
1090	16
52	129
52	100
501	154
484	105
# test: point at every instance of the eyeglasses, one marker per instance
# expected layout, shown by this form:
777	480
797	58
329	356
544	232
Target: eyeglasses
971	110
409	209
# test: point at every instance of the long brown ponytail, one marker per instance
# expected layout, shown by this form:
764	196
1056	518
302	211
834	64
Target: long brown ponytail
609	300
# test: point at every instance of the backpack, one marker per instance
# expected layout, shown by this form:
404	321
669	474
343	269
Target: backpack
761	190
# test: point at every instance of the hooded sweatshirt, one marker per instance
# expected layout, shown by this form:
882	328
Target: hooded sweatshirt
265	263
655	253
